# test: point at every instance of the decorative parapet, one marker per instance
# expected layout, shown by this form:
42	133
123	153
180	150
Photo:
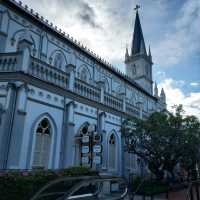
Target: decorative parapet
76	43
48	73
113	102
84	89
11	62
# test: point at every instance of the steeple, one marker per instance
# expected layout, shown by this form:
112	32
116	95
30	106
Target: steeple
138	63
138	44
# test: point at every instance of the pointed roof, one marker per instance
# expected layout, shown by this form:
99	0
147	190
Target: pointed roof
138	44
149	51
156	90
126	54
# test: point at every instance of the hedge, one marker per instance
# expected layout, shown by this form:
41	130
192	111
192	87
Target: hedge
149	187
22	185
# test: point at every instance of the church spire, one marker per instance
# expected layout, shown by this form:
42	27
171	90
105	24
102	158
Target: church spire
138	44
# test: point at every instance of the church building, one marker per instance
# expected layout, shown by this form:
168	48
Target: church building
62	105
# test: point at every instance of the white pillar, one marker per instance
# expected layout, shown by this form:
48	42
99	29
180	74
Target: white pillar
71	71
140	109
101	86
22	98
102	116
4	24
68	148
25	60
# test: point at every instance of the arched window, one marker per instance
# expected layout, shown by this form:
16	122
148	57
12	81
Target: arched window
85	75
43	135
112	152
106	86
58	60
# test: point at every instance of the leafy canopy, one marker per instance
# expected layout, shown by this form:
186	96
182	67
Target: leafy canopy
164	140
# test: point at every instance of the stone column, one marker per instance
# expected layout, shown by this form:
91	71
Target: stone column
12	126
68	142
16	158
101	86
24	46
139	103
102	124
123	96
44	43
71	70
6	124
4	17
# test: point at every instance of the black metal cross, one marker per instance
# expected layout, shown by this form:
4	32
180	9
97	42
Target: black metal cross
136	7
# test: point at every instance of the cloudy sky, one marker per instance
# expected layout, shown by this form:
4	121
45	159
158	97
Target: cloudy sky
171	27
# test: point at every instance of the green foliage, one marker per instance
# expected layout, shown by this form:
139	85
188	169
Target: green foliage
164	140
149	187
23	185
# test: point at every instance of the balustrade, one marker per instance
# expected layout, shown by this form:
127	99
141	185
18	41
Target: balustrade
113	102
132	110
9	62
46	72
86	90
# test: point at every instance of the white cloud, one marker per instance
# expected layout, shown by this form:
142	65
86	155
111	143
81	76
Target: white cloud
194	84
174	95
180	40
112	25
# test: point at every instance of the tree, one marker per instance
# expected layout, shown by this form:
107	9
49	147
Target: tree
164	140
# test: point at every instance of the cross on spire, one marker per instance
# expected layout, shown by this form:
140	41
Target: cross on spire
137	7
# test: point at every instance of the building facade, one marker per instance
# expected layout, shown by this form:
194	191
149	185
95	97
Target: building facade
61	104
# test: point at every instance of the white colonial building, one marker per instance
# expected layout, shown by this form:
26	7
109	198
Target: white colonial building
62	105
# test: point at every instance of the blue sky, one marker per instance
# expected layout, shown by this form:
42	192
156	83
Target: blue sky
171	27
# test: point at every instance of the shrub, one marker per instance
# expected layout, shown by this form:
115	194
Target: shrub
23	185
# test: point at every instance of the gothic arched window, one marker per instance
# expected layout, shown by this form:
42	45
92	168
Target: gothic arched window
85	75
106	85
112	152
58	60
42	144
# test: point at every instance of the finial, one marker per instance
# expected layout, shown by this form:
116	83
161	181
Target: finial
137	7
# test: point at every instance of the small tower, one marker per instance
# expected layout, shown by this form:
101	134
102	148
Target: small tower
156	90
163	96
126	55
138	63
149	55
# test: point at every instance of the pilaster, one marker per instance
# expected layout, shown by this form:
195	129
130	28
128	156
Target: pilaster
6	124
15	156
101	86
102	127
68	144
71	70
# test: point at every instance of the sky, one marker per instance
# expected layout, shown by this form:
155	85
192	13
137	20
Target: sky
170	27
